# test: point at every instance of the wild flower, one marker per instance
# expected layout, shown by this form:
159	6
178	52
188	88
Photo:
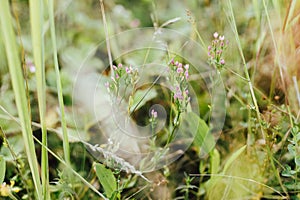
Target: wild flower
179	76
153	114
216	50
216	34
153	118
123	75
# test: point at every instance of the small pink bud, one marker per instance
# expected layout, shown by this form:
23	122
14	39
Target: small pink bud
127	70
32	69
222	37
209	48
153	113
186	66
120	65
186	73
114	67
216	34
179	70
222	61
172	61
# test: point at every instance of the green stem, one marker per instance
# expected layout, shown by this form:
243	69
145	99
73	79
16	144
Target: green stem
171	137
234	28
36	21
17	79
66	146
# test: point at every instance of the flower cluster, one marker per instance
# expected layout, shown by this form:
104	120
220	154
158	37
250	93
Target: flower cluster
122	73
153	117
180	75
216	50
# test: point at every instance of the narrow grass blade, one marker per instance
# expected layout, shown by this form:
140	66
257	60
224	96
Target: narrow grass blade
15	70
2	169
36	21
58	84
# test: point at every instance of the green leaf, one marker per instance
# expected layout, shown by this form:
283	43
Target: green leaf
215	161
141	97
215	164
297	160
203	138
292	185
233	157
107	179
291	149
2	169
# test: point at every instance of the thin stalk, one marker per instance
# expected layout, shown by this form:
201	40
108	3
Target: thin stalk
66	146
73	171
107	38
18	120
296	89
16	73
36	21
278	61
234	28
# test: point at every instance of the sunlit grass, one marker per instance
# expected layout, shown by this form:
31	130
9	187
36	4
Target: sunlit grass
19	91
255	156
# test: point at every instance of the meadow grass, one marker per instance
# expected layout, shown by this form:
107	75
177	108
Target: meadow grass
20	95
256	157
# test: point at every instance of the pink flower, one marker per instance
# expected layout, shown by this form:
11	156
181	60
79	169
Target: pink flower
172	61
32	68
179	70
120	65
153	113
222	37
186	66
114	67
222	61
216	34
127	70
209	48
117	76
178	94
186	73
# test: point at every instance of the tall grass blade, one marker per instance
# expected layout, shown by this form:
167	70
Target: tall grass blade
232	22
36	21
66	146
15	70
